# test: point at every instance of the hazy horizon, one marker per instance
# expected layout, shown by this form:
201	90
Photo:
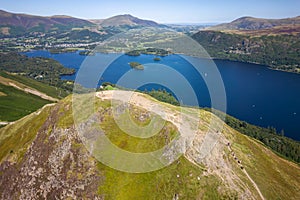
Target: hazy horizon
167	12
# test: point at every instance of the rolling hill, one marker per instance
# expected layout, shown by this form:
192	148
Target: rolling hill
46	156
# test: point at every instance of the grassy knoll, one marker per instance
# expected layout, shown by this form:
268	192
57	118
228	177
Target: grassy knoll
182	178
275	177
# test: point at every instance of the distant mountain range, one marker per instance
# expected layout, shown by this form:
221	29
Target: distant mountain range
31	21
251	23
272	42
28	22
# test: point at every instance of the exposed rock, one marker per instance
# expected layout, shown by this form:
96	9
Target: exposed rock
56	166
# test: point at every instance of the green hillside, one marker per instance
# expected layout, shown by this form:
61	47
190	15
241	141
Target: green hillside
52	91
55	163
16	104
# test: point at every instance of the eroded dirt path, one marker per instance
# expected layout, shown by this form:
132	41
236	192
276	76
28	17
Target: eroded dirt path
254	184
246	173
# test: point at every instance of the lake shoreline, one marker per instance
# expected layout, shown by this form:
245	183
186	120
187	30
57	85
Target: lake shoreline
249	87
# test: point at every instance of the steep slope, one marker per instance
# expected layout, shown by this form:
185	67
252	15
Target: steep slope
43	155
251	23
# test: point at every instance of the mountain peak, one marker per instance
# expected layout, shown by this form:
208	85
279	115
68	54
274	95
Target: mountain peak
60	16
127	19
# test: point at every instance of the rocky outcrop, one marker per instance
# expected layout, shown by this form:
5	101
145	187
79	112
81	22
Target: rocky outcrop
56	166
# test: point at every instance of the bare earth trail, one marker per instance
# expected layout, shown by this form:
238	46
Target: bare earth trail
254	184
249	177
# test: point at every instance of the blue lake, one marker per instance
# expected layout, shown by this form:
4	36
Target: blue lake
254	93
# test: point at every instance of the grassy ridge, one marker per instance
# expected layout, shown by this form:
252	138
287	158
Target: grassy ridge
14	103
181	179
275	177
282	145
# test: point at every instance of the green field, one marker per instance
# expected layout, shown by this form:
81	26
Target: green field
42	87
16	104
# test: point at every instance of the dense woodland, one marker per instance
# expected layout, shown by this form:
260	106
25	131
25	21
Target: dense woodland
153	51
136	65
277	51
42	69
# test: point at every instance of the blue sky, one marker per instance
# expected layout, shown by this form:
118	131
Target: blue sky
163	11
